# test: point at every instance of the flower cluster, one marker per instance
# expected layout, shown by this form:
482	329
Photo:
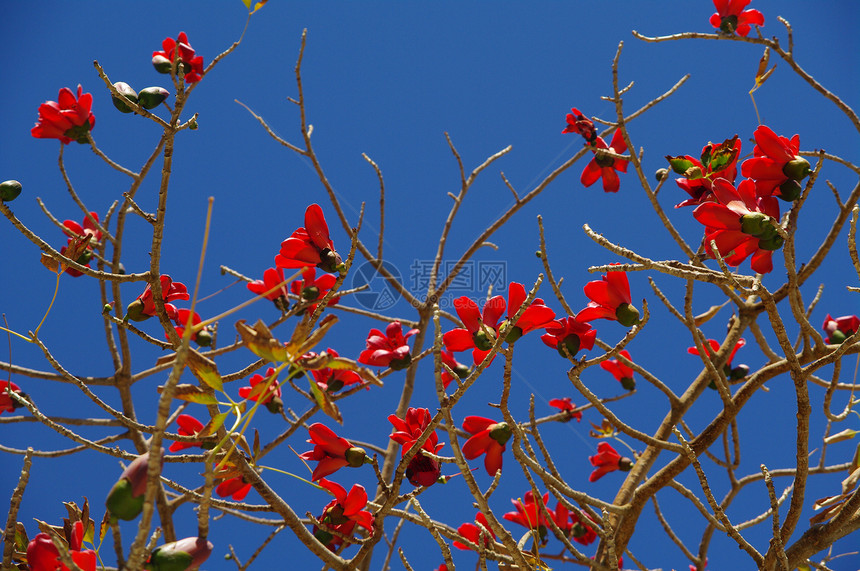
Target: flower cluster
190	63
622	373
342	514
389	349
422	470
732	373
488	437
607	460
331	451
731	17
42	554
84	236
571	523
264	390
68	119
7	403
840	328
310	245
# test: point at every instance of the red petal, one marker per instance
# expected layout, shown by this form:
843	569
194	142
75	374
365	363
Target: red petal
590	174
475	424
458	340
469	313
317	228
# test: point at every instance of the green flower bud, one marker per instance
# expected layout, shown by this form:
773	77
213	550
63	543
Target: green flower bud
356	456
311	293
182	555
134	311
121	502
126	91
628	383
152	97
739	373
796	169
274	405
773	243
789	190
627	315
755	224
501	432
661	174
9	190
400	364
513	334
482	341
204	338
729	24
161	64
625	464
571	343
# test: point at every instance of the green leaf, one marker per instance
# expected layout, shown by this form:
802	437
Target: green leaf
261	342
214	424
679	164
21	539
724	155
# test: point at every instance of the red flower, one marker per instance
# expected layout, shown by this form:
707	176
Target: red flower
235	487
740	224
580	532
202	337
388	349
331	451
67	119
460	369
84	257
311	288
610	299
482	328
271	279
528	513
188	426
7	404
565	405
310	245
837	330
731	17
488	437
607	460
776	167
272	396
603	166
474	532
42	554
332	380
622	373
571	333
422	470
581	125
343	513
192	64
144	306
717	161
738	372
90	228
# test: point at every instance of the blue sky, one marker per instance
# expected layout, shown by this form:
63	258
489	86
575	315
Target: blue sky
389	79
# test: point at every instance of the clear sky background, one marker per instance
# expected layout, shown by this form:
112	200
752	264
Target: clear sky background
389	79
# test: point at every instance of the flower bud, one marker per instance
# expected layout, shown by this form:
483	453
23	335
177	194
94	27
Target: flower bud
796	169
501	432
789	190
625	464
571	343
275	405
355	456
134	311
330	260
400	364
661	174
152	97
482	340
126	91
773	243
161	64
204	338
628	383
125	499
729	24
513	334
9	190
755	224
182	555
627	315
310	293
739	373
